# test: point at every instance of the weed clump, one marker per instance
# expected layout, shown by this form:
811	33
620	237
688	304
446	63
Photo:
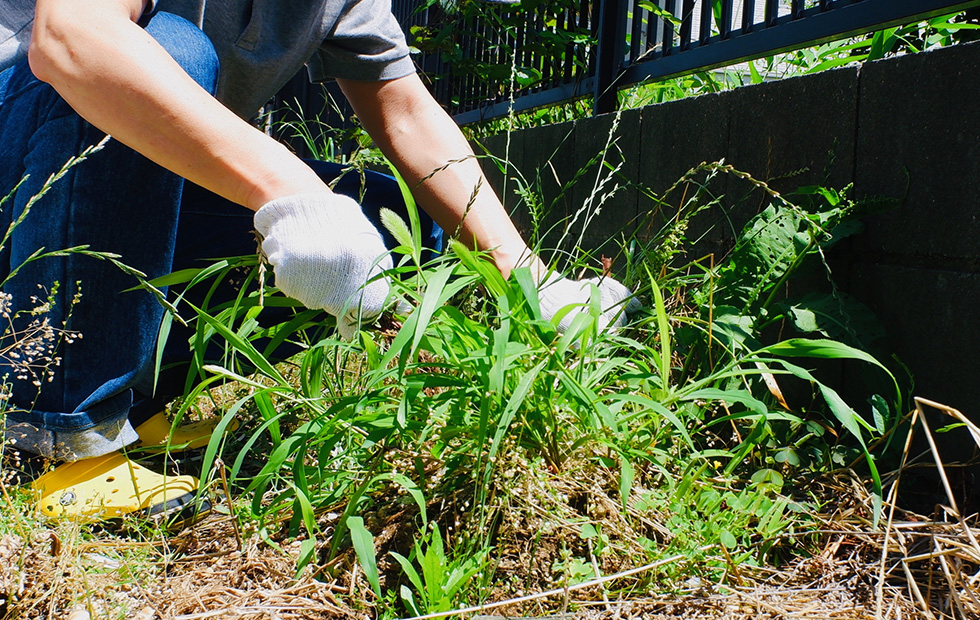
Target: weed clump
471	453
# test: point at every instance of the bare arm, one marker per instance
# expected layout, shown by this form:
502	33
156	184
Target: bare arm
421	139
119	79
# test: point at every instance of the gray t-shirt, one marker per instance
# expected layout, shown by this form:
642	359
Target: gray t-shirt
16	17
263	43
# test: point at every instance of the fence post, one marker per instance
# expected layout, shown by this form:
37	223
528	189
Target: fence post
611	49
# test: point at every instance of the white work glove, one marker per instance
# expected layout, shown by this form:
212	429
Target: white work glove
323	251
558	292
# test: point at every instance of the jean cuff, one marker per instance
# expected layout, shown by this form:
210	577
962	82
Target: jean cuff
72	436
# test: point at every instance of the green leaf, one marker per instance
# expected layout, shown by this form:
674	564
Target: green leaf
788	456
576	332
837	316
626	475
363	542
241	345
162	336
882	42
307	549
437	292
880	413
488	273
434	567
280	333
662	13
771	521
663	331
409	571
408	599
734	330
768	248
831	349
658	409
526	76
949	427
742	397
264	404
513	404
413	213
501	338
727	539
847	417
768	479
302	502
462	573
530	290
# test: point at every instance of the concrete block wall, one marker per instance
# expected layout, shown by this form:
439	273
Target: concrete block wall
906	127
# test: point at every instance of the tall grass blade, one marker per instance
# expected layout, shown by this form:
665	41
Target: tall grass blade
242	345
363	542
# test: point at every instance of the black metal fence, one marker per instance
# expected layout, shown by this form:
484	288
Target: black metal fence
537	52
520	55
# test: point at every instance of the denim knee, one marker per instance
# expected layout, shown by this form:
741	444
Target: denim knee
91	205
189	46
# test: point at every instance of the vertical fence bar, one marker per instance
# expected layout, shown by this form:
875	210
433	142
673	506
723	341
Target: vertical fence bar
668	45
476	54
554	59
648	25
636	29
487	56
569	54
559	55
500	44
612	39
461	83
654	32
687	23
725	29
489	38
541	60
748	15
473	79
483	54
797	9
586	21
772	12
707	19
521	43
647	34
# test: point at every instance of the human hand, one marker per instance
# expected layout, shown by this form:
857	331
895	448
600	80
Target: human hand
558	292
325	254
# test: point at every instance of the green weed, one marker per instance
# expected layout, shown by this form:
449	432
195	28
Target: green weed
438	578
441	419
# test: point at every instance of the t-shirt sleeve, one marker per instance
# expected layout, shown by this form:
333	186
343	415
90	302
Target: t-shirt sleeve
148	12
365	44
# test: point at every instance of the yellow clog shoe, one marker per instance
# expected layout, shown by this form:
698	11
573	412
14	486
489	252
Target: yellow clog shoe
158	432
112	486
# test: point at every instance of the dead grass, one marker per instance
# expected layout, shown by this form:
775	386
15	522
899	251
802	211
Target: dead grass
909	566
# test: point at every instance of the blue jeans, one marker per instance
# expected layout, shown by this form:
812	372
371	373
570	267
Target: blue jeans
116	201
